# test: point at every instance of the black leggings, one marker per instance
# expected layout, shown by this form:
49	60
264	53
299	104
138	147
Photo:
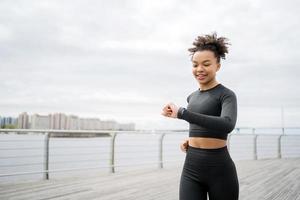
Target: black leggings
209	172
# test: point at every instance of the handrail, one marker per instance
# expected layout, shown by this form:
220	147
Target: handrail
48	134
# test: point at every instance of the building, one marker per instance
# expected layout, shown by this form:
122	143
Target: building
23	121
73	122
61	121
8	122
58	121
89	123
40	121
109	125
126	127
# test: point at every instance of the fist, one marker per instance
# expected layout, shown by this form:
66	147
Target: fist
170	110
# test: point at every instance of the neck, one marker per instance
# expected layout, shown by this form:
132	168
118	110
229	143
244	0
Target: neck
208	85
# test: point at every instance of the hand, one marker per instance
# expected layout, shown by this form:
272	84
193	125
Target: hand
167	111
184	145
170	110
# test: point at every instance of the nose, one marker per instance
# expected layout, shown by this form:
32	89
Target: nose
199	68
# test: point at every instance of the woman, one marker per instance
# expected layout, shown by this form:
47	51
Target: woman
211	112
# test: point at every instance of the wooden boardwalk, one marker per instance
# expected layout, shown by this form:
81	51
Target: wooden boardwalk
268	179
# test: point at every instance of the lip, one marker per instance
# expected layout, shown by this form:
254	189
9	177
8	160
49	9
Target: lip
200	76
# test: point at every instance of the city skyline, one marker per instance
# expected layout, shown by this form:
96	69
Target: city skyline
62	121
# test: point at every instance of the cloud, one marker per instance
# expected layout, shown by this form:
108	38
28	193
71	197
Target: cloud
126	59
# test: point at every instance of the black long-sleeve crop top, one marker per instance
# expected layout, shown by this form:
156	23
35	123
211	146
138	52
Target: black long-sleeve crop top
210	113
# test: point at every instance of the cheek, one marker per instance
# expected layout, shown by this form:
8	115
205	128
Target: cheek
211	71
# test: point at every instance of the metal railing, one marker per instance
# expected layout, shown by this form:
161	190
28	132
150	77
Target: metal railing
252	143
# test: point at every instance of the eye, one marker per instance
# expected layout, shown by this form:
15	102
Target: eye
194	65
206	64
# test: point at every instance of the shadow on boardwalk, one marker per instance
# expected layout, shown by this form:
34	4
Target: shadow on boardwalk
268	179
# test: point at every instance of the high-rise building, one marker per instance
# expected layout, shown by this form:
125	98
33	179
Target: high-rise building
23	121
109	125
89	123
73	122
58	121
1	122
126	126
40	121
61	121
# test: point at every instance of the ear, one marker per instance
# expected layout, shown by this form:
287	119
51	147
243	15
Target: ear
218	66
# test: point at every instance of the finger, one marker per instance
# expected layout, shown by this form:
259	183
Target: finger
167	115
166	106
167	109
166	112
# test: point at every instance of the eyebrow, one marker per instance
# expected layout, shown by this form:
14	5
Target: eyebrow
202	61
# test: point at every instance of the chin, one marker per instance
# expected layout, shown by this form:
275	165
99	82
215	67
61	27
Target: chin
202	81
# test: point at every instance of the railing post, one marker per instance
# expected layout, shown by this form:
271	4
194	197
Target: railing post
112	152
46	156
255	147
279	147
160	151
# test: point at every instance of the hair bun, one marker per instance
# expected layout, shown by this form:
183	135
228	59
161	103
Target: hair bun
211	42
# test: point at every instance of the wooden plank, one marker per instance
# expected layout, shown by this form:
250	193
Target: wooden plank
269	179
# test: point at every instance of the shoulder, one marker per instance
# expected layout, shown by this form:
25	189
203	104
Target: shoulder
190	95
227	93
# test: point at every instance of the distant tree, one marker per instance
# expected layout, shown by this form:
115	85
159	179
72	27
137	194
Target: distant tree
10	126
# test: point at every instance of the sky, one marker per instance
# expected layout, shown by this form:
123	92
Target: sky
125	60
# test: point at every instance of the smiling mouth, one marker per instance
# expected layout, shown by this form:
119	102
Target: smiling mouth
200	76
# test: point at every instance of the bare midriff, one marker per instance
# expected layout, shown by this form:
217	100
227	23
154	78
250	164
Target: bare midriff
207	143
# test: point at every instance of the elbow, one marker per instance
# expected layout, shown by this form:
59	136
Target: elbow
229	128
230	125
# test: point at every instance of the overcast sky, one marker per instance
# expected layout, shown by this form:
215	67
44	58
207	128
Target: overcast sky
125	60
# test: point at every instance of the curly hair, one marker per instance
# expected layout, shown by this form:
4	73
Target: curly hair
212	43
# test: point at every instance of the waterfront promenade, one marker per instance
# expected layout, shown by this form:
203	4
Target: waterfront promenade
265	179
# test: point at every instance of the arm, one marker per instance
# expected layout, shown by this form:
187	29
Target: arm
188	98
225	122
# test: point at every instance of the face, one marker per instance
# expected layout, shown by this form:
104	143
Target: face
205	66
